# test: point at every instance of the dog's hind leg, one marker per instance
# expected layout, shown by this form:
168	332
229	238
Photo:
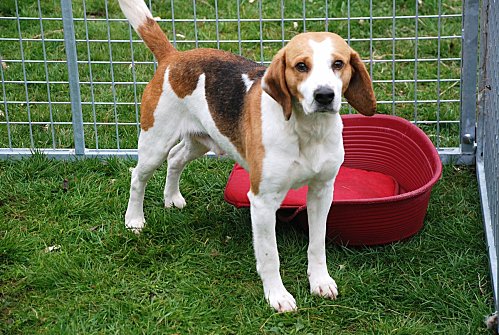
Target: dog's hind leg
184	152
153	150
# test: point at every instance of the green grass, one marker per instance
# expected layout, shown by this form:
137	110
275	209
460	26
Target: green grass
192	271
103	135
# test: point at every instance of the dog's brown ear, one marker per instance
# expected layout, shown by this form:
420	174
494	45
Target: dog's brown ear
275	83
360	94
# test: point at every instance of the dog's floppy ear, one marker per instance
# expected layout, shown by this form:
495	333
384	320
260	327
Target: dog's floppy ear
360	94
275	83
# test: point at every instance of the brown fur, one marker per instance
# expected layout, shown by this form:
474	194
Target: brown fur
360	94
155	39
276	85
297	52
150	98
183	76
251	147
185	69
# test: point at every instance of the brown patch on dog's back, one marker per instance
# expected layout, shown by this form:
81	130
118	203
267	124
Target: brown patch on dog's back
184	73
187	66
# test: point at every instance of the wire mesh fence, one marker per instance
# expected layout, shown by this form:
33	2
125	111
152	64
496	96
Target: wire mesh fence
487	134
413	50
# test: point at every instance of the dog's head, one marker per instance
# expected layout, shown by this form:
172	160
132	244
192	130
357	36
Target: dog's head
314	70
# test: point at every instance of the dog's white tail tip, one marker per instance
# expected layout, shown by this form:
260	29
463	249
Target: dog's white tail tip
136	11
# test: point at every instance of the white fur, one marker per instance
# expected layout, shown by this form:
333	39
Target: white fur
135	11
247	82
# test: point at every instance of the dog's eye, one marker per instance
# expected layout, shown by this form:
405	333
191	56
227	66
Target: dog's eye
338	65
301	67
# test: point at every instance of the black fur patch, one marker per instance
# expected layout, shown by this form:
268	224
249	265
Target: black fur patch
226	90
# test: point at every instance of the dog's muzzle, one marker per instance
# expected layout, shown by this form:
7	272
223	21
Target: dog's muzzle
323	98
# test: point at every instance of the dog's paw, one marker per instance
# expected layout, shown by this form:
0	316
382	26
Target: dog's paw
135	225
176	200
281	300
324	287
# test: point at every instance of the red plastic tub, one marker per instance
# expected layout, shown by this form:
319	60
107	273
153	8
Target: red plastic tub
388	149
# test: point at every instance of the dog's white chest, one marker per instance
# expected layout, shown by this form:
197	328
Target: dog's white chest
318	162
301	150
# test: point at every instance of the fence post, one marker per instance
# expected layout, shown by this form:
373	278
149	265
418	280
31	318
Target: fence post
73	77
469	76
487	156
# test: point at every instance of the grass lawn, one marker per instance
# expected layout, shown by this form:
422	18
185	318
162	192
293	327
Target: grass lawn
192	271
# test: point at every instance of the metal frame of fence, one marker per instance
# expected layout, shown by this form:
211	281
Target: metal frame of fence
462	152
487	160
480	135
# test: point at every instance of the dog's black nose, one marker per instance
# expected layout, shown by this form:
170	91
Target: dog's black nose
324	95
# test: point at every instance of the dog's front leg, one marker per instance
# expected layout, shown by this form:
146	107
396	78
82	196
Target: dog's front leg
263	209
319	199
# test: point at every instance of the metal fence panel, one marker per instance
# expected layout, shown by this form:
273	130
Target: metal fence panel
412	50
488	133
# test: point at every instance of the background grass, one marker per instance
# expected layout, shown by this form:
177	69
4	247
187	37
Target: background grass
101	41
192	271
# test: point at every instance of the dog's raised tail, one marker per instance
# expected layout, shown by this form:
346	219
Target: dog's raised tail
140	17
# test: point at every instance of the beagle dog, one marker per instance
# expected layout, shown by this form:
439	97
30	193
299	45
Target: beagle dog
281	123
